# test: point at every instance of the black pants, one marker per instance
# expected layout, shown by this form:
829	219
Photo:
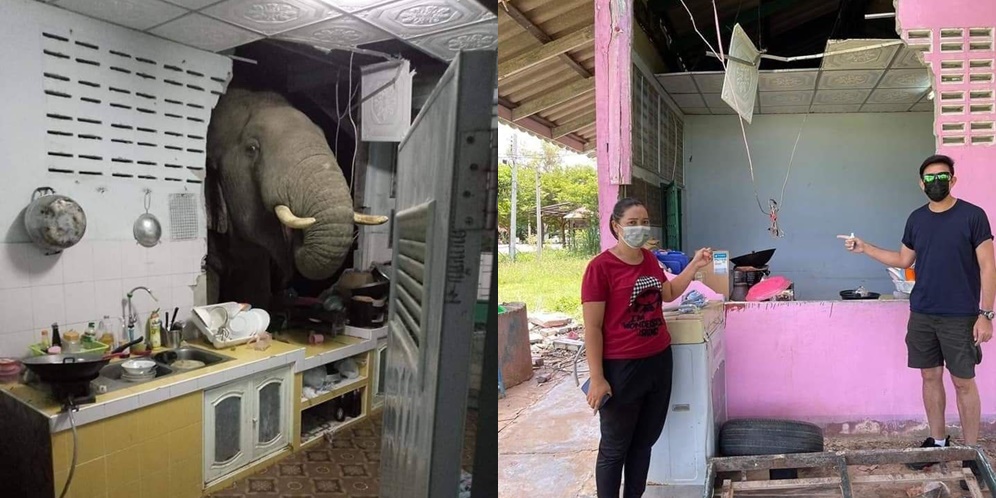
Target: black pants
631	421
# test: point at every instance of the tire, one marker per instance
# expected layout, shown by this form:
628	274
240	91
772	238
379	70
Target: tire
747	437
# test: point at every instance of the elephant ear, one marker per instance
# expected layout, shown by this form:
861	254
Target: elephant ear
217	209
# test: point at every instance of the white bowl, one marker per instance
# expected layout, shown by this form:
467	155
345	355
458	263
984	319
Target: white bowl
138	368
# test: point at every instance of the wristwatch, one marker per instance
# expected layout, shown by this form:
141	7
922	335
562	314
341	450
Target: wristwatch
988	314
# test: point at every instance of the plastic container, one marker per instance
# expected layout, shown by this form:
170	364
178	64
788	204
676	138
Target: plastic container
71	342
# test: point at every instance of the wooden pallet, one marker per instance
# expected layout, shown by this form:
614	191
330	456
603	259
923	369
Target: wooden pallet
842	483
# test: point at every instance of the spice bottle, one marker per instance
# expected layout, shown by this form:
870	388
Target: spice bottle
56	338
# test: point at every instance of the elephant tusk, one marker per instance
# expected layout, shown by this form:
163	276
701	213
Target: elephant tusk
368	219
287	217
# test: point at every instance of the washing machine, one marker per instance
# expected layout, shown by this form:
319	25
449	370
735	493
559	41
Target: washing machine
698	405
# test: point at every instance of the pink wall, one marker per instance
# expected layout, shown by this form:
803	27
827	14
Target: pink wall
613	68
829	362
974	163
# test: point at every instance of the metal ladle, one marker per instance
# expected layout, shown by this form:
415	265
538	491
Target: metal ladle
147	230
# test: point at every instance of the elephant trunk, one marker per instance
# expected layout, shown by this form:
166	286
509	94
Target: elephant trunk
316	200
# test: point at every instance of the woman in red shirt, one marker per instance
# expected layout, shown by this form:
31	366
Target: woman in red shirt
628	347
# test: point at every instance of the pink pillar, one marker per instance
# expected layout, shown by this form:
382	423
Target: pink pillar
964	117
613	73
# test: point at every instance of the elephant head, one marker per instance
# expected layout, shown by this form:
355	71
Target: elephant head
274	183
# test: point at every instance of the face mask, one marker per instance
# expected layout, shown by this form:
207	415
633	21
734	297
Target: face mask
636	236
937	190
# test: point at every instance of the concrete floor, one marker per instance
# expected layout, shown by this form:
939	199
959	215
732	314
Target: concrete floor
547	441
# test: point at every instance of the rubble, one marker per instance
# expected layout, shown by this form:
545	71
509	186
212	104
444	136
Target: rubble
549	320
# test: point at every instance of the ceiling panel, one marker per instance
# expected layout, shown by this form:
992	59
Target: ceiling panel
785	98
205	33
341	31
445	45
439	28
678	83
845	80
688	100
885	107
895	96
787	81
836	108
789	109
905	78
709	82
840	97
272	17
134	14
410	18
873	58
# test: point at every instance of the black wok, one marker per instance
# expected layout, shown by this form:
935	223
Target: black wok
756	259
64	368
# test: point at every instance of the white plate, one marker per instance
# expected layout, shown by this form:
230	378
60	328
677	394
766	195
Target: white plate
263	317
241	325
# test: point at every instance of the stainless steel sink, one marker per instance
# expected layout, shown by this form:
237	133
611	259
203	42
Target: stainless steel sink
110	376
114	371
190	353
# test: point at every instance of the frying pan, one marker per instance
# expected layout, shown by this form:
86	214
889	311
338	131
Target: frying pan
72	367
756	259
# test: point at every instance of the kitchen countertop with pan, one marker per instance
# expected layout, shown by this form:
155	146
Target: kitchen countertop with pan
244	361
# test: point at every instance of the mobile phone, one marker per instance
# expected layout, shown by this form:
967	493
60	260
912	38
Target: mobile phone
584	389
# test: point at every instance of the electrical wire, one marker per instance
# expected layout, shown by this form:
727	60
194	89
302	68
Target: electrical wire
772	212
72	468
356	133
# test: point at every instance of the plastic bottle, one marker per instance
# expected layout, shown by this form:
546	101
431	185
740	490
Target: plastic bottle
90	334
154	328
104	333
45	342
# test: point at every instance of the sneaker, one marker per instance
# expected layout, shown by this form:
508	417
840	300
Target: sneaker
970	464
928	443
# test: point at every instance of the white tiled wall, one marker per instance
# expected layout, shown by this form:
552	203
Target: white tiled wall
88	281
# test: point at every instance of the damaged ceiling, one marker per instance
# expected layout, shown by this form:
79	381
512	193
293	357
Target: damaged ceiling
887	77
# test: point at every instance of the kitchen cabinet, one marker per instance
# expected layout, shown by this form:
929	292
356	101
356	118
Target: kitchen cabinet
246	420
378	370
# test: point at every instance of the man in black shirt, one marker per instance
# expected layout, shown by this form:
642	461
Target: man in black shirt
951	306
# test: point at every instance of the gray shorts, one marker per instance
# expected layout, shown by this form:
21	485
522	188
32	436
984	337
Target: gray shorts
935	341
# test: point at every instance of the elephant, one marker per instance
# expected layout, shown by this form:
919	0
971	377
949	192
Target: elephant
277	199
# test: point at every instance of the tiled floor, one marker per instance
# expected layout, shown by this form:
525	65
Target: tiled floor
348	466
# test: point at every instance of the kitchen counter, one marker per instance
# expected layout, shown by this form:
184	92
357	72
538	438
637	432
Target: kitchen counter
247	361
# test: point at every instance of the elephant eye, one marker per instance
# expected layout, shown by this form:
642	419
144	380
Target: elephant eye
252	148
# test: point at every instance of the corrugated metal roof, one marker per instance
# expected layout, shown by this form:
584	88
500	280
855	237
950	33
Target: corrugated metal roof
524	26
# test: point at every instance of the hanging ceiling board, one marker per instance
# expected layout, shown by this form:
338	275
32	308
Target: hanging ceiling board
740	82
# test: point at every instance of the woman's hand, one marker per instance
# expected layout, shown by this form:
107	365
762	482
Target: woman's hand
598	387
702	258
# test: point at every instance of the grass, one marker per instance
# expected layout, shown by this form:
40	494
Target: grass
550	284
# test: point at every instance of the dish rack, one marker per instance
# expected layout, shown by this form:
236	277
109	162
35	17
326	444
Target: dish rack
86	347
219	337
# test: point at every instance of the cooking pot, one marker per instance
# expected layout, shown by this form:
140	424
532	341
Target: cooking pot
54	222
65	368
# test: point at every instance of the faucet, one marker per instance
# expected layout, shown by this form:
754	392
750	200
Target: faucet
132	313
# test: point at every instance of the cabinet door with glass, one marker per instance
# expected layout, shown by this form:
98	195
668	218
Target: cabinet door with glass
227	445
271	412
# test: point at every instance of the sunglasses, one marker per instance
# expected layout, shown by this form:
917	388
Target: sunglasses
930	177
